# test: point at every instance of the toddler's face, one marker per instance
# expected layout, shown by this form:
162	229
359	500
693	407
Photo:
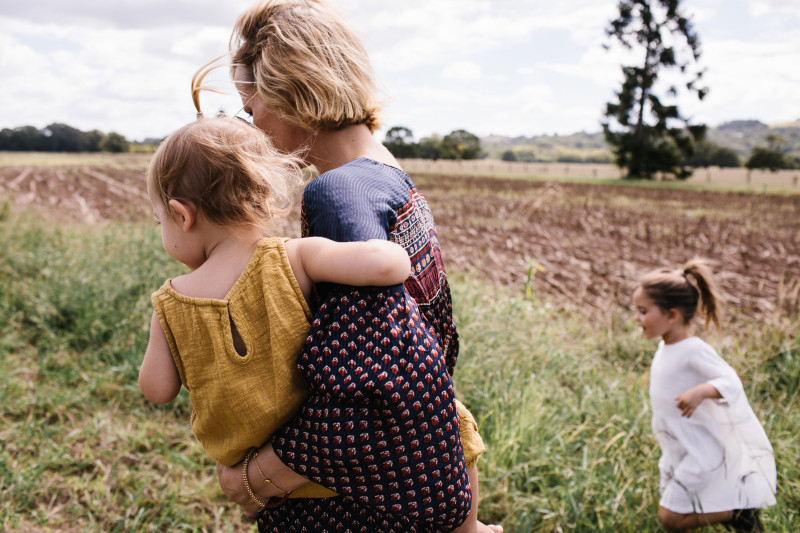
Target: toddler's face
171	233
169	227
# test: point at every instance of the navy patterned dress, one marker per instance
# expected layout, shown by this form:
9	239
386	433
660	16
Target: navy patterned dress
380	427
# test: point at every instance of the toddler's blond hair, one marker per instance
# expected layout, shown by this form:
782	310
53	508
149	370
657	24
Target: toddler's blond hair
228	169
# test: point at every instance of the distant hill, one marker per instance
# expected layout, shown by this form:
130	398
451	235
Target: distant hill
739	135
744	135
577	147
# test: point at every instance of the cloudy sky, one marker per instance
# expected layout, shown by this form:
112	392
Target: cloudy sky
504	67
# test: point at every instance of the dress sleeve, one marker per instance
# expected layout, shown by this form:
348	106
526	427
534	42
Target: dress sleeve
716	372
344	209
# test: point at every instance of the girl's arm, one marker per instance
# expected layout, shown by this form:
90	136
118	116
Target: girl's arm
688	401
722	377
375	262
158	376
721	381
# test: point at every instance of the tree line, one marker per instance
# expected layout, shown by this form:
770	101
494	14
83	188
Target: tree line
61	138
773	157
459	144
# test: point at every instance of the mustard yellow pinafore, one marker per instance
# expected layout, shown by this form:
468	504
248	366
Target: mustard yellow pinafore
239	401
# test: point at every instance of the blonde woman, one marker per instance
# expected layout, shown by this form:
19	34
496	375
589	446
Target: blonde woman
306	80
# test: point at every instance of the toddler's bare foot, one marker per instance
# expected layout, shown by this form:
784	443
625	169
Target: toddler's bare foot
491	528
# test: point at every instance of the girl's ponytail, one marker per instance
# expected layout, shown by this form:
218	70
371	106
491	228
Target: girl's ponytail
698	272
687	290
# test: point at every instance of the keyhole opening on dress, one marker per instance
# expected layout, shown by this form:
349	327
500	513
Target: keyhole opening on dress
238	343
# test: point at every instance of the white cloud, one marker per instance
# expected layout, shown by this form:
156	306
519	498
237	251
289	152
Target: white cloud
751	80
601	67
501	66
760	8
533	98
126	14
462	70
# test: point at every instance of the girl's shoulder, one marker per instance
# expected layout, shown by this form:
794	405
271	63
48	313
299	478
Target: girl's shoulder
686	346
694	346
220	283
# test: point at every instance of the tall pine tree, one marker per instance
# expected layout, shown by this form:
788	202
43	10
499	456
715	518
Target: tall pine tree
647	135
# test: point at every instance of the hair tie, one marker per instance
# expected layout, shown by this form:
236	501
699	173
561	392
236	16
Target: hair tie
691	280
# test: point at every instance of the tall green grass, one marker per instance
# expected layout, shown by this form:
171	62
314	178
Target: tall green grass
560	398
561	402
81	448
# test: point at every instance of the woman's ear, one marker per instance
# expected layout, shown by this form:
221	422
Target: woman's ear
187	212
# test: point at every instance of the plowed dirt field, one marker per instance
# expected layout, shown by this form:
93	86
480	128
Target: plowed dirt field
578	243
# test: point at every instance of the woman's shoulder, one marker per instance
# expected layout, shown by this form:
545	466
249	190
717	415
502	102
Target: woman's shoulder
358	174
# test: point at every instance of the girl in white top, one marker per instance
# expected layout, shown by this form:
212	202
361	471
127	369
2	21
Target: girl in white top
716	465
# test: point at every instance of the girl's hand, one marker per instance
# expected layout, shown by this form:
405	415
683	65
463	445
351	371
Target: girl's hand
688	401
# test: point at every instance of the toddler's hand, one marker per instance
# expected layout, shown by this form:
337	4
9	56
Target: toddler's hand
688	401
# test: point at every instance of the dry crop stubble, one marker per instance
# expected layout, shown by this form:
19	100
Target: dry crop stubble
584	243
590	243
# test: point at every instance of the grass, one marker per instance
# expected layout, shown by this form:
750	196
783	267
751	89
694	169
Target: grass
562	403
561	399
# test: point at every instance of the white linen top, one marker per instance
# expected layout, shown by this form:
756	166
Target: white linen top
719	459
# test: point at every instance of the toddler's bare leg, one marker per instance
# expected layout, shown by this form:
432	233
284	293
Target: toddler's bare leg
471	524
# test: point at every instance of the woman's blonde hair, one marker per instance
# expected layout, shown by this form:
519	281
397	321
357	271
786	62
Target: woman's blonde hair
228	169
685	290
307	64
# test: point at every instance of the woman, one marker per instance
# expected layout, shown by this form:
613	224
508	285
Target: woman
306	80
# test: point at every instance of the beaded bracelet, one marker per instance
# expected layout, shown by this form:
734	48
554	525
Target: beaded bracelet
247	481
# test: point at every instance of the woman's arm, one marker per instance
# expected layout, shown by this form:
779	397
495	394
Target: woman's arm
158	376
265	464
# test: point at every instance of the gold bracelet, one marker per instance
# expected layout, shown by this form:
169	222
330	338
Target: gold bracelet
266	479
247	481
